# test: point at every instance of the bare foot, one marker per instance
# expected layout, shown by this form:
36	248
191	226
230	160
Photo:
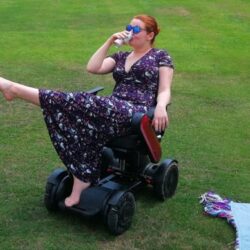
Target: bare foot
5	88
78	187
71	201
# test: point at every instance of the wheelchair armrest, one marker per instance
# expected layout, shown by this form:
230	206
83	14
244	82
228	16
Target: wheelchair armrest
136	119
95	90
150	138
142	124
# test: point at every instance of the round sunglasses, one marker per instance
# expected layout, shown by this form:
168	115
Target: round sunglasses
136	29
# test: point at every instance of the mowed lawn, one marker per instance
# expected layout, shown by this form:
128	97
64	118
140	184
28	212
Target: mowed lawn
47	45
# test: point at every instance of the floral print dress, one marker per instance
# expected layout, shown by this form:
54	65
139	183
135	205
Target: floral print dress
80	124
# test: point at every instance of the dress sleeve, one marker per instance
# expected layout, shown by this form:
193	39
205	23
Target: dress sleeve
116	56
164	59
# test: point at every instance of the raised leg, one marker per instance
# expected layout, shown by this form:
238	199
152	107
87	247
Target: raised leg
12	90
78	187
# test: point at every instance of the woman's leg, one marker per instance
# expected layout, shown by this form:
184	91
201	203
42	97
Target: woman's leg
12	90
77	189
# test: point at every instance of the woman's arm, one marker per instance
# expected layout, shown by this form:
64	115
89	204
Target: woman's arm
99	63
160	120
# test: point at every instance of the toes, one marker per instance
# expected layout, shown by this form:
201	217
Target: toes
70	202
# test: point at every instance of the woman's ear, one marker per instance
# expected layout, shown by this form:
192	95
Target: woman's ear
151	36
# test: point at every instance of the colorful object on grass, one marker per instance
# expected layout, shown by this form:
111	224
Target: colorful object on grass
218	207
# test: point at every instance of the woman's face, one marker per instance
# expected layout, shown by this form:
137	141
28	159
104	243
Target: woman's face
142	37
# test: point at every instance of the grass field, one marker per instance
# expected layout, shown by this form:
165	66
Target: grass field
48	43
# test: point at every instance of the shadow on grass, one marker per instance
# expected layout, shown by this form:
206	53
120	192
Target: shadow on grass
145	201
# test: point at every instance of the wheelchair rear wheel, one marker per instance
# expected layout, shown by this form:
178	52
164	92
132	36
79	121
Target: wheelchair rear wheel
166	179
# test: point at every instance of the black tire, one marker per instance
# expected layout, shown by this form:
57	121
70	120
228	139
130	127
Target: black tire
49	200
57	188
166	180
119	217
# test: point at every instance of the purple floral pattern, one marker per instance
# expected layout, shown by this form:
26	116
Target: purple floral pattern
140	84
80	124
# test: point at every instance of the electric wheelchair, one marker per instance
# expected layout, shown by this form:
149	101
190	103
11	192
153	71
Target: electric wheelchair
127	163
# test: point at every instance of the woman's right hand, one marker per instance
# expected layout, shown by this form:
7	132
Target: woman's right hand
119	35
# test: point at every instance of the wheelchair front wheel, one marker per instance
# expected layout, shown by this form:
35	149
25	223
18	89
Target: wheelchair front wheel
119	216
57	188
166	179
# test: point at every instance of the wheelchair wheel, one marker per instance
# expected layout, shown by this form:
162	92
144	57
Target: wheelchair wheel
118	215
166	180
57	188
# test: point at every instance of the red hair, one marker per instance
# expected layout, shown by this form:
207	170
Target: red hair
151	24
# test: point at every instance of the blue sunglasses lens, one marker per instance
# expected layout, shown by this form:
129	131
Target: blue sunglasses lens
129	27
136	29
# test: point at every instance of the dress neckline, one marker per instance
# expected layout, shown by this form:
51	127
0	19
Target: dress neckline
139	59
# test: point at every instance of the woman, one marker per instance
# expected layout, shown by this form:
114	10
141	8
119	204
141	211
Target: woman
80	124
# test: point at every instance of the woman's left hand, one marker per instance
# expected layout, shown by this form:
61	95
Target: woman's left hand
160	121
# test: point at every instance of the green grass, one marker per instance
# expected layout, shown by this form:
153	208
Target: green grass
48	43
